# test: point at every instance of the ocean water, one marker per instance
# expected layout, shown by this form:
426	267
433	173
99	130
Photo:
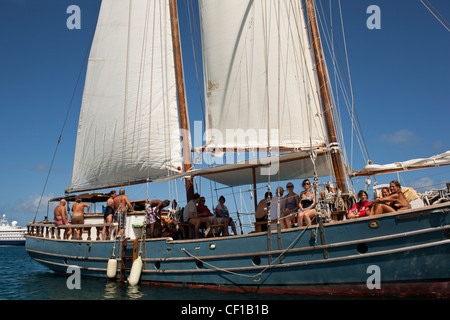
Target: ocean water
22	278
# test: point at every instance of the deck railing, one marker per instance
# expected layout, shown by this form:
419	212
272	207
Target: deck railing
51	231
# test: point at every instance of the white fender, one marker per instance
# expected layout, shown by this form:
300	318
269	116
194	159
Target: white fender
135	272
112	268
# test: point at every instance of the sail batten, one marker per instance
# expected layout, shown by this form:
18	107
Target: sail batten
260	84
128	127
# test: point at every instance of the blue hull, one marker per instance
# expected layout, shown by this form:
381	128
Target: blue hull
392	254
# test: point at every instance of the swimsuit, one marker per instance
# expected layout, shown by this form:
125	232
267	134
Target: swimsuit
77	219
307	201
109	211
119	216
59	222
291	205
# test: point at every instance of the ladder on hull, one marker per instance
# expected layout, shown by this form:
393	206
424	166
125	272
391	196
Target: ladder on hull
127	261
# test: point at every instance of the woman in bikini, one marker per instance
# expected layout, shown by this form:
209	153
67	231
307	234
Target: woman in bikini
396	201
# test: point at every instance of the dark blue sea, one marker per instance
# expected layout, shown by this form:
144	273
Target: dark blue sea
22	278
24	284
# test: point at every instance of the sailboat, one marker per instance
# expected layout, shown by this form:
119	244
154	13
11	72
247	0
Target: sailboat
266	91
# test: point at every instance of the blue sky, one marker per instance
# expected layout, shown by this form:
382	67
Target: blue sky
400	77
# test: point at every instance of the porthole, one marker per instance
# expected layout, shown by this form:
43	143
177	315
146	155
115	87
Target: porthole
362	248
374	224
199	264
256	260
157	265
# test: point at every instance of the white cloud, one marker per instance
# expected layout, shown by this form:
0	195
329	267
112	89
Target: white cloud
30	205
422	184
403	136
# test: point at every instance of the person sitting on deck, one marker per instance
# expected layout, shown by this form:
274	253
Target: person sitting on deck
223	214
190	215
396	201
307	203
261	214
203	211
78	214
384	192
60	216
360	208
290	206
153	210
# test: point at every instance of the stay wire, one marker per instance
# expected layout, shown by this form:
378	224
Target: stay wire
437	18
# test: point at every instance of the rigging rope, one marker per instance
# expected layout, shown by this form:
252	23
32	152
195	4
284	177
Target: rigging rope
257	277
446	27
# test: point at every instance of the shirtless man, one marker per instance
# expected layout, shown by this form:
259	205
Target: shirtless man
153	209
60	216
78	214
262	210
121	204
396	201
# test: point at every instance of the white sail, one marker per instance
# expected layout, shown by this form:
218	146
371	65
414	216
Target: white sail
439	160
260	86
128	128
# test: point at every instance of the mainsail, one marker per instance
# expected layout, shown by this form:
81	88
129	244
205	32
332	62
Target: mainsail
260	86
128	128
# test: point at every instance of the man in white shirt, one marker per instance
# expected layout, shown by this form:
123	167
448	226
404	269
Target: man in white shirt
190	215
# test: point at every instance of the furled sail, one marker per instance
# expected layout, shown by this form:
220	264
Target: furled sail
128	128
260	86
439	160
287	166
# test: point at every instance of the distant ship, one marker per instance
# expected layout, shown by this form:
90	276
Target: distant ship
11	235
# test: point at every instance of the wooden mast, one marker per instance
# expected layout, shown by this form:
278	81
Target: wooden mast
322	76
184	123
